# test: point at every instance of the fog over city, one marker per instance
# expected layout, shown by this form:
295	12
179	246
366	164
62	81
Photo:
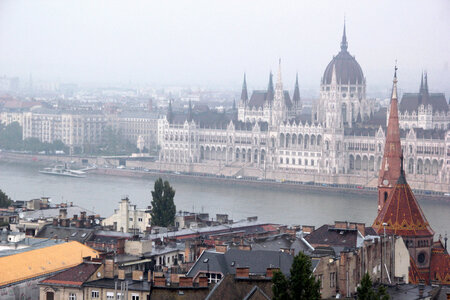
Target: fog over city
211	44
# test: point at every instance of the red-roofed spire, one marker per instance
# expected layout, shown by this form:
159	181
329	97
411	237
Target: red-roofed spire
391	163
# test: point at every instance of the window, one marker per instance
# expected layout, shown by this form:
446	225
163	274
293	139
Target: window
109	295
332	279
95	294
72	296
140	219
134	297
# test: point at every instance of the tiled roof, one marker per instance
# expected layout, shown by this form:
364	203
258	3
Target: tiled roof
31	264
440	264
347	69
70	233
402	213
73	276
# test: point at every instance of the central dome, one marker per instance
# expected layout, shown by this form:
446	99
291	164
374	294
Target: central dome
347	68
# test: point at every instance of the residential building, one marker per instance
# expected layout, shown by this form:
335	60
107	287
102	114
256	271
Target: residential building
128	218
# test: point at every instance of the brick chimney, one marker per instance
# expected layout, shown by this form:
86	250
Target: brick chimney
121	274
308	228
270	271
186	282
159	281
242	272
109	268
82	215
75	217
149	276
221	248
137	275
55	222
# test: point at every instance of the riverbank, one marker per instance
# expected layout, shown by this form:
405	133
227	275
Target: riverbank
105	168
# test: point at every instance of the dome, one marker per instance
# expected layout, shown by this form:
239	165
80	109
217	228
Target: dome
347	68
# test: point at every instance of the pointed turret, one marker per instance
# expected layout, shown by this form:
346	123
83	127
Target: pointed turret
244	93
170	112
270	90
296	96
279	85
344	44
425	83
421	84
391	163
190	111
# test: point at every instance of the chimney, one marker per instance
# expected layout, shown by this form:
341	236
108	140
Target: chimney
137	275
308	228
270	271
62	213
159	281
121	274
78	224
82	215
242	272
361	228
55	222
203	281
221	248
186	282
65	222
75	217
109	268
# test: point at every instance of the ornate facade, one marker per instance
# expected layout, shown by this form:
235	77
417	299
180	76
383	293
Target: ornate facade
268	133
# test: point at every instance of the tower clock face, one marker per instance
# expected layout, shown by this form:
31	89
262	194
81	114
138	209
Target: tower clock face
421	258
385	182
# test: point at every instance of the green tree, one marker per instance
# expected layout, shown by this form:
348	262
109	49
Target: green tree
5	201
11	136
301	283
365	290
163	206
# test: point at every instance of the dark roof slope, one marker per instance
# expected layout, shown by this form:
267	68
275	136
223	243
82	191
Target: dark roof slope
328	235
70	233
226	263
234	288
75	276
411	102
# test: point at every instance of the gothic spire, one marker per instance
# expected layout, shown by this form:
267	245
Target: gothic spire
344	43
425	83
421	84
170	112
279	85
270	90
190	111
244	93
296	96
391	163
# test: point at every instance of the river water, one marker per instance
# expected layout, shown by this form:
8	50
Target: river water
102	194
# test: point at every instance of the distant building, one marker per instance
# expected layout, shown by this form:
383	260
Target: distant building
128	218
341	142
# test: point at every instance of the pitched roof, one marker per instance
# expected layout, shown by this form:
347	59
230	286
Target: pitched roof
35	263
258	99
70	233
412	101
402	213
75	276
329	235
256	260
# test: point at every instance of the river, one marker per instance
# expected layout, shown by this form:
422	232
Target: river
102	194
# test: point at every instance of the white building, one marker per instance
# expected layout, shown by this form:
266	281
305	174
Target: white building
128	218
269	135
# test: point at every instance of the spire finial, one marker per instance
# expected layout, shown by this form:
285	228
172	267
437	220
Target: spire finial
344	44
279	72
394	85
244	94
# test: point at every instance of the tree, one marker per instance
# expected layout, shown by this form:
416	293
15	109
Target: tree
163	207
365	290
5	201
301	283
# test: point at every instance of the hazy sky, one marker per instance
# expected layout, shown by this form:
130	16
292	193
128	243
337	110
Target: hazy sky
211	43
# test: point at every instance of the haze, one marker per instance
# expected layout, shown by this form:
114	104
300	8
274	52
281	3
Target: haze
210	43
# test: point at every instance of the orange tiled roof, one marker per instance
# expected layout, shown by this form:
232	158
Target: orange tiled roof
402	213
34	263
440	264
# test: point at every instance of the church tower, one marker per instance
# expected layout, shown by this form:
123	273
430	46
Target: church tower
391	163
243	103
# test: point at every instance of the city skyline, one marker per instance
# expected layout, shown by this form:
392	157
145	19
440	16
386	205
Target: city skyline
212	46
